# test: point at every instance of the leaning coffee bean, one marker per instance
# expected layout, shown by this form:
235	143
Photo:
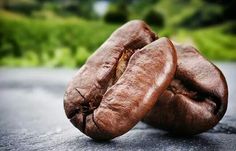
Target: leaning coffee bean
195	100
119	83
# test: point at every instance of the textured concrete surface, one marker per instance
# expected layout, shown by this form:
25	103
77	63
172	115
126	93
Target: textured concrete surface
32	118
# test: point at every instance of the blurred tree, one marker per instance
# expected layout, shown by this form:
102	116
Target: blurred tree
228	8
22	6
205	16
86	8
140	7
117	12
211	12
83	8
153	17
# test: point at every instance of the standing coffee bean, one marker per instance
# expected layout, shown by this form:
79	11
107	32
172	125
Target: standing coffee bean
120	82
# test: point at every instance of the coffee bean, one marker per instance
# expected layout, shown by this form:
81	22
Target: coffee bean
120	82
195	100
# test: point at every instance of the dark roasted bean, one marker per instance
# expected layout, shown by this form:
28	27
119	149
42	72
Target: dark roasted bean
195	100
120	82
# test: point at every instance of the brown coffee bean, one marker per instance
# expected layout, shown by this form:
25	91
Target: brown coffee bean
119	83
195	100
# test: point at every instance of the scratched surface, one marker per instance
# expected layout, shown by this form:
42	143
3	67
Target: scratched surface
32	118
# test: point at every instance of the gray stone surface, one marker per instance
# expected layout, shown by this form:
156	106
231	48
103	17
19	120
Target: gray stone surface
32	118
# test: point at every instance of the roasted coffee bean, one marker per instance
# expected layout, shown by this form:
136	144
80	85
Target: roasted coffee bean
195	100
120	82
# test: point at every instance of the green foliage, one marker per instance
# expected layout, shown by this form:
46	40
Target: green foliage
213	42
81	55
138	8
49	42
231	29
47	39
82	8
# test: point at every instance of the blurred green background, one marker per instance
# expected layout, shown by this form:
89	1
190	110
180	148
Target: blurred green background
63	33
